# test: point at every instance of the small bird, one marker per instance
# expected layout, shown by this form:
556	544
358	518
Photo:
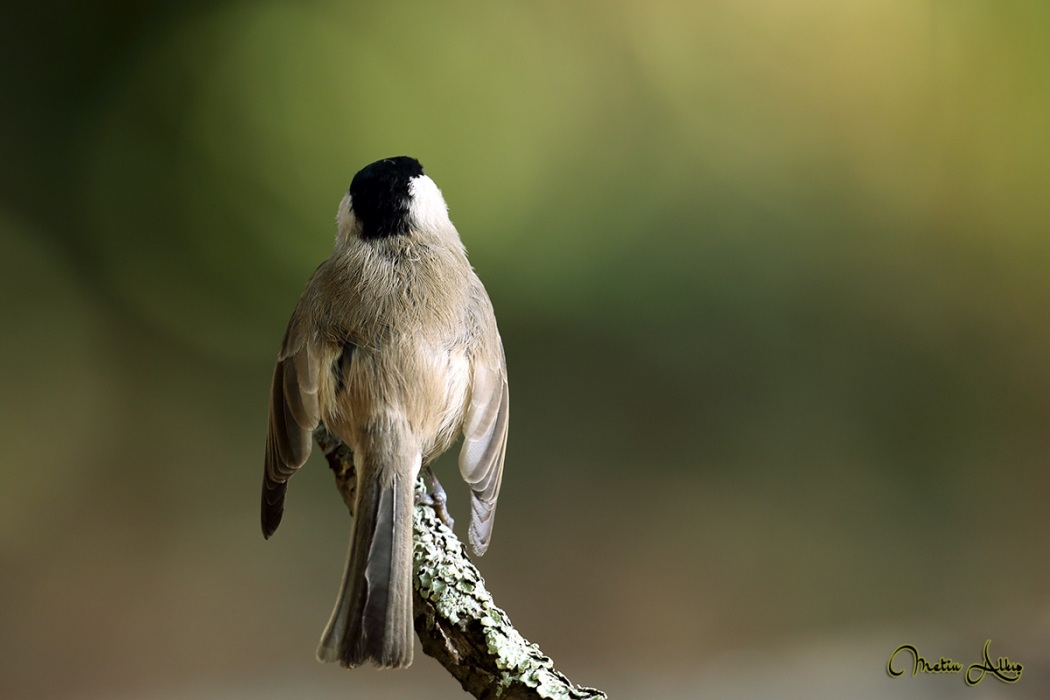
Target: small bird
393	347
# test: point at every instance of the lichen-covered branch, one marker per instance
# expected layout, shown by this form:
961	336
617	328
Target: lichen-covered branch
456	619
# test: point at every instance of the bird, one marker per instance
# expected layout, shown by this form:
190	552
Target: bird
393	347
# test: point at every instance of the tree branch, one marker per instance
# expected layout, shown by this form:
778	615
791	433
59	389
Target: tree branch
456	619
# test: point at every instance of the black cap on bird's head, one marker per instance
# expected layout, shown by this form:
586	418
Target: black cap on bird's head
380	196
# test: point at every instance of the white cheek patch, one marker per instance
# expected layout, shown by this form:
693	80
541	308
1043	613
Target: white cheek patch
427	208
342	215
344	219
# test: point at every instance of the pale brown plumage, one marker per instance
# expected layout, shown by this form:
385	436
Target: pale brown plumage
394	347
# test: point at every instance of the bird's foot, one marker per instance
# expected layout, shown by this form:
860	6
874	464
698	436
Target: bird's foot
435	496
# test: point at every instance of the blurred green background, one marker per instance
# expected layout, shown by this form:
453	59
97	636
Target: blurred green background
772	279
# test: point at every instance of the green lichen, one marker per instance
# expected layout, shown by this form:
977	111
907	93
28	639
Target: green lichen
447	578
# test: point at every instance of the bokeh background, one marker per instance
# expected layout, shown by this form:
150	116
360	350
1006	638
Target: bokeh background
772	279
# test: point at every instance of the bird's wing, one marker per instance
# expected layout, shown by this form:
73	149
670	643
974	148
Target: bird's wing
294	414
485	441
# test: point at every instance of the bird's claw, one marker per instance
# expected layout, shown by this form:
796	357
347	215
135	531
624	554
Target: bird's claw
435	497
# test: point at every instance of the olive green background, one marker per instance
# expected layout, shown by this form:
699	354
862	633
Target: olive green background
772	279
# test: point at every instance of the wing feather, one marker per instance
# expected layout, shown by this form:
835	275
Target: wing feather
294	414
484	445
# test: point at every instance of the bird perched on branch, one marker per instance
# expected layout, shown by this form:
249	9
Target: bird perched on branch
393	346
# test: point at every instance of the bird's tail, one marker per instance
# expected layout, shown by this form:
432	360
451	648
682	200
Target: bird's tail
372	620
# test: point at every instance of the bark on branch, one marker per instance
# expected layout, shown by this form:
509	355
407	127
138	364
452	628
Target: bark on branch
455	617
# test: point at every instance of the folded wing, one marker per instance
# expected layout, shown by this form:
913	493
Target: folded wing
294	414
484	445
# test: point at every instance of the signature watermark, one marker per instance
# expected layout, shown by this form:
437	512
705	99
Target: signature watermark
907	655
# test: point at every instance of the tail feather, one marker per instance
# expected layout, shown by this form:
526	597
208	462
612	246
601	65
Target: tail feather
372	619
